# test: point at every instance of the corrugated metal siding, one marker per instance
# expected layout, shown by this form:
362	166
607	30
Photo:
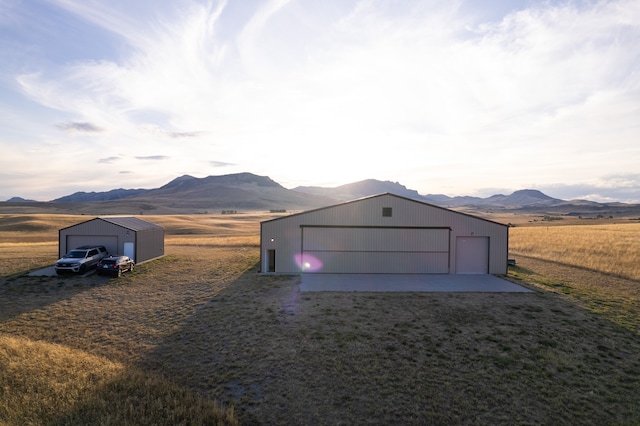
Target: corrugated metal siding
93	229
375	250
285	234
149	243
375	239
377	262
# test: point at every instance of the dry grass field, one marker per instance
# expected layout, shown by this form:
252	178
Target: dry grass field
198	337
613	248
595	265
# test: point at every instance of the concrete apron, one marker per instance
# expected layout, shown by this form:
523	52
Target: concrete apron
50	271
409	283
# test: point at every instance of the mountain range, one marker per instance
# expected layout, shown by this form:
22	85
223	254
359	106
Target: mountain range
247	192
518	199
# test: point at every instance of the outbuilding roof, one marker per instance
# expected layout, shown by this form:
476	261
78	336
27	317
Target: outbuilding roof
128	222
131	222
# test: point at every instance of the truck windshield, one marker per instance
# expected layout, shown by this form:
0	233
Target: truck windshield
75	254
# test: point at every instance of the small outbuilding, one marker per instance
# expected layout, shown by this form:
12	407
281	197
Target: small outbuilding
386	234
130	236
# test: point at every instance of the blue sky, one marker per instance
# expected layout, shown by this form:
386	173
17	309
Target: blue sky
451	97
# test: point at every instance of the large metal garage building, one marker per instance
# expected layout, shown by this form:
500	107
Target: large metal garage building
383	233
130	236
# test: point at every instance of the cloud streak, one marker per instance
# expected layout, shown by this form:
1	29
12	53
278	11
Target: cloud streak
221	164
153	158
159	131
79	127
108	160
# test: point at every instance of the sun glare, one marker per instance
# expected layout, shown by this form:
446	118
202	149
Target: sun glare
307	262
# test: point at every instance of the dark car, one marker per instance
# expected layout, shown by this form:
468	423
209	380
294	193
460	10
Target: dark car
115	265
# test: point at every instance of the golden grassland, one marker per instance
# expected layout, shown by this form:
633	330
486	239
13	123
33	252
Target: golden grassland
46	383
595	265
31	241
197	337
611	249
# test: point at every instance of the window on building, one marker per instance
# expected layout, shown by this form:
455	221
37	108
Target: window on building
387	212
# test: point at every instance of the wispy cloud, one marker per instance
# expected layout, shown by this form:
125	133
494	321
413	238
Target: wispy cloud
79	127
159	131
623	180
602	192
250	39
105	15
221	164
153	158
184	135
109	160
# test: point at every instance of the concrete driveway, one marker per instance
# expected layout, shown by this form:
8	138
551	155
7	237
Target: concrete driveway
408	283
50	271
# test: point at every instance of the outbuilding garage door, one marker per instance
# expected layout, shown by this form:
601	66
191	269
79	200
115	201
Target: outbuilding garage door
110	242
391	250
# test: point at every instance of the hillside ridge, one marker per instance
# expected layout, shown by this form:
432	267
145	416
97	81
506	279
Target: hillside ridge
247	191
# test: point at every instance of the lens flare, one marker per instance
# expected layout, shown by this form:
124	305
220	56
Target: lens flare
307	262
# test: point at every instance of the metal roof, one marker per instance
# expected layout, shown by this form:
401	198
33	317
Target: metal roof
130	222
381	195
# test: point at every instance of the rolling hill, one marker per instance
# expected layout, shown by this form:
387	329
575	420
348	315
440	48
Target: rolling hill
249	192
183	195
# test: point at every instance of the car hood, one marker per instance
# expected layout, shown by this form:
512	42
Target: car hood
69	260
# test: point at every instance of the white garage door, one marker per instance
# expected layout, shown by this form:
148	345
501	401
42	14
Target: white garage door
377	249
472	255
109	241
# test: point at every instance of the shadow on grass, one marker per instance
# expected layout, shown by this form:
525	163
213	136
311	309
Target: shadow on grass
225	351
520	270
21	293
283	357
